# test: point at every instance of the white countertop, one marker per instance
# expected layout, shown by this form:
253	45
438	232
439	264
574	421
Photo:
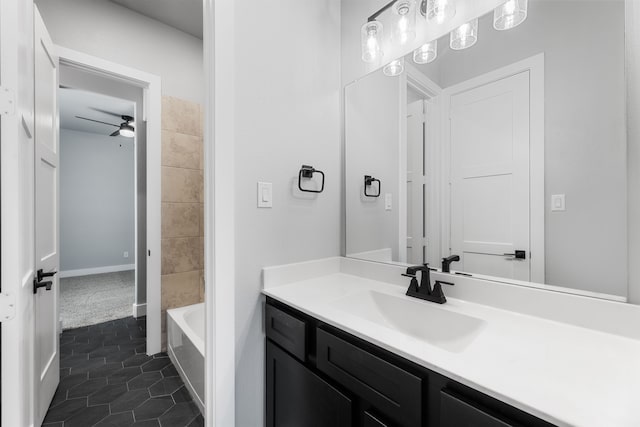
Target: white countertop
565	374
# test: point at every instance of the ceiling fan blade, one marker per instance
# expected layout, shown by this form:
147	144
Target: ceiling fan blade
116	133
97	121
106	112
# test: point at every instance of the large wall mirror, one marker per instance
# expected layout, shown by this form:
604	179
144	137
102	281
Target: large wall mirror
510	154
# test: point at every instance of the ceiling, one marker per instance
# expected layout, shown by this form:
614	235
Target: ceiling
185	15
74	102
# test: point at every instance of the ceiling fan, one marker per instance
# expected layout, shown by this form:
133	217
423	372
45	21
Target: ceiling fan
124	129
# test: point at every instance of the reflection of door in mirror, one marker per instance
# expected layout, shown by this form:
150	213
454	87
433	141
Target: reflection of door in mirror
489	139
416	179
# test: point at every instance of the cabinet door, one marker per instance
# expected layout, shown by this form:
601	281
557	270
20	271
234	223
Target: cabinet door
394	393
297	397
455	412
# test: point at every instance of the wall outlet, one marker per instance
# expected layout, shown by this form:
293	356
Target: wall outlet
126	254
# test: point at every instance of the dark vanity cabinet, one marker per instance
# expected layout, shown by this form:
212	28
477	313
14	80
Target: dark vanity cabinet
320	376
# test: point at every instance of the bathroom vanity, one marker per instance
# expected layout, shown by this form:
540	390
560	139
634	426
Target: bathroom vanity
346	347
320	375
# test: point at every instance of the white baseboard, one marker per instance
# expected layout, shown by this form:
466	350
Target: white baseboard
96	270
139	310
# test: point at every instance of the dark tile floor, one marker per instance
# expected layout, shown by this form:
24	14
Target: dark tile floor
106	379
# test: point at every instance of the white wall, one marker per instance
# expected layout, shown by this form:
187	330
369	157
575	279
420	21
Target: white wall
112	32
96	200
372	134
585	133
287	113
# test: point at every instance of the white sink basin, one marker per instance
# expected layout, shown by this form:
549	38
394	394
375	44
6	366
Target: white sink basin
422	320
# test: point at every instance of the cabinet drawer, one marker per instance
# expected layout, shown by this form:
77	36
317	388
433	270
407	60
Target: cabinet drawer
455	412
395	393
287	331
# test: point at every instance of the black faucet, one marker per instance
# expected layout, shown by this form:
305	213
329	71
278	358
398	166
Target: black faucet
447	261
424	290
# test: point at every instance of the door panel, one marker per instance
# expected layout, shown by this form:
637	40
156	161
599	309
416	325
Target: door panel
47	356
490	177
415	183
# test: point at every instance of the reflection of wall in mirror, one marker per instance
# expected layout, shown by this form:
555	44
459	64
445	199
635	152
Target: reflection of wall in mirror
585	137
372	129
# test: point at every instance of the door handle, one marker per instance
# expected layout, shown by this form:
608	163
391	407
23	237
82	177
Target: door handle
41	275
517	255
37	285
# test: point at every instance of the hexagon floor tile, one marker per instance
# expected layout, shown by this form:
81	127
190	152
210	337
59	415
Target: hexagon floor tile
107	380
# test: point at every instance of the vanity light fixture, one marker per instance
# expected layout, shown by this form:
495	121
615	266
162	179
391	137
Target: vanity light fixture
371	36
394	68
510	14
466	35
439	11
426	53
405	28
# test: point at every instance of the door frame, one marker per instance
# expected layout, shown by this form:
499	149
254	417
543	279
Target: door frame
152	101
535	66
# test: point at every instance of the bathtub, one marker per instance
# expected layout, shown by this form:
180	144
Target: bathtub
185	346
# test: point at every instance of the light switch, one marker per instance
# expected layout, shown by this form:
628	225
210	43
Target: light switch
265	195
558	203
388	201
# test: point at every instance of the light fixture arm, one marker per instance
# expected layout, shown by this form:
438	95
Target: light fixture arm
382	10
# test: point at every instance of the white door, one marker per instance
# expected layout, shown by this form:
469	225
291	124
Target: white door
415	182
47	356
17	195
489	137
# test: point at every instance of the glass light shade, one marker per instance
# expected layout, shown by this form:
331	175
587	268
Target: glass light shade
466	35
426	53
371	37
405	28
127	131
440	11
394	68
509	15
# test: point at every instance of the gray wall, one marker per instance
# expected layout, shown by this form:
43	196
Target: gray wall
96	200
287	114
372	125
112	32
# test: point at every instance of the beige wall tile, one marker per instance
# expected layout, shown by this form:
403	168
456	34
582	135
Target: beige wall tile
181	185
179	290
181	254
201	285
181	150
181	116
201	194
201	222
180	219
202	154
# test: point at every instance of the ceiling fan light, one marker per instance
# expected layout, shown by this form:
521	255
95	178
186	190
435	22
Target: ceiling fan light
127	130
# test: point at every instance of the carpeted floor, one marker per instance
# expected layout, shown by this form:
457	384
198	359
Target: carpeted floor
87	300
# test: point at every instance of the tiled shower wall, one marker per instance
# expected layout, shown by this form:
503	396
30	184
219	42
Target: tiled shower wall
182	206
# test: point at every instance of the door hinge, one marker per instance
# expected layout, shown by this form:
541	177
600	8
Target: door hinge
7	101
7	307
